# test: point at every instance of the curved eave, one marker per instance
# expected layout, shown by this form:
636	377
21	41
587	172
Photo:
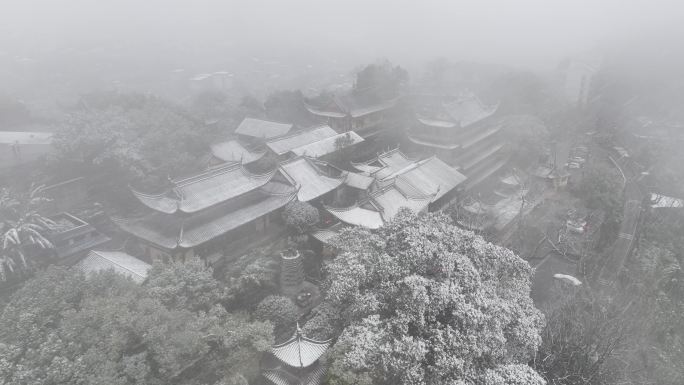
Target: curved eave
436	123
422	142
189	207
357	216
157	202
327	114
299	351
243	155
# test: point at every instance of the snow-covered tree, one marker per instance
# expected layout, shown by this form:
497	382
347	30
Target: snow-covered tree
301	216
423	302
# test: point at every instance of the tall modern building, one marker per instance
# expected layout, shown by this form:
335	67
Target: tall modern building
578	78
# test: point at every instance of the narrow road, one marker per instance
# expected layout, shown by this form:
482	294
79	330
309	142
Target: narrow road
622	247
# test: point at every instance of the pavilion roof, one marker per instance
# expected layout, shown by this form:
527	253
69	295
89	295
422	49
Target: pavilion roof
283	377
300	351
312	182
264	129
204	190
171	232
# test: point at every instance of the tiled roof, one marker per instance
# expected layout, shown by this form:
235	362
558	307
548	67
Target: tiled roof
283	377
382	206
120	262
365	110
430	143
170	231
326	146
430	176
436	123
233	151
325	235
205	190
287	143
322	112
358	216
342	105
367	168
311	181
390	200
359	181
299	351
468	109
395	159
262	128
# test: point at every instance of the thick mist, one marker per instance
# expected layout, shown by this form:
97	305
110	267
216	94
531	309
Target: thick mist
165	35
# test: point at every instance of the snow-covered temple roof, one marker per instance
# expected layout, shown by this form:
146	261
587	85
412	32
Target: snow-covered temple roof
187	231
118	261
234	151
285	144
204	190
264	129
300	351
467	109
311	180
327	145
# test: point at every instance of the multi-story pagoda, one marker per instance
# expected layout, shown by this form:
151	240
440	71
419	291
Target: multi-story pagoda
464	134
298	361
352	112
208	214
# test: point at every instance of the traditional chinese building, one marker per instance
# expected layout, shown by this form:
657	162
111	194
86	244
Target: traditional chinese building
73	237
315	180
209	214
398	182
117	261
250	142
298	361
462	133
314	142
350	112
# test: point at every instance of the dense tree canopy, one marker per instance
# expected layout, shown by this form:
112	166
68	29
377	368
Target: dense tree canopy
631	333
137	135
301	216
423	302
601	189
379	82
526	136
62	328
287	106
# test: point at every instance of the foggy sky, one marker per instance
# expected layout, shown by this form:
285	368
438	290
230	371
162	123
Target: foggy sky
532	33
